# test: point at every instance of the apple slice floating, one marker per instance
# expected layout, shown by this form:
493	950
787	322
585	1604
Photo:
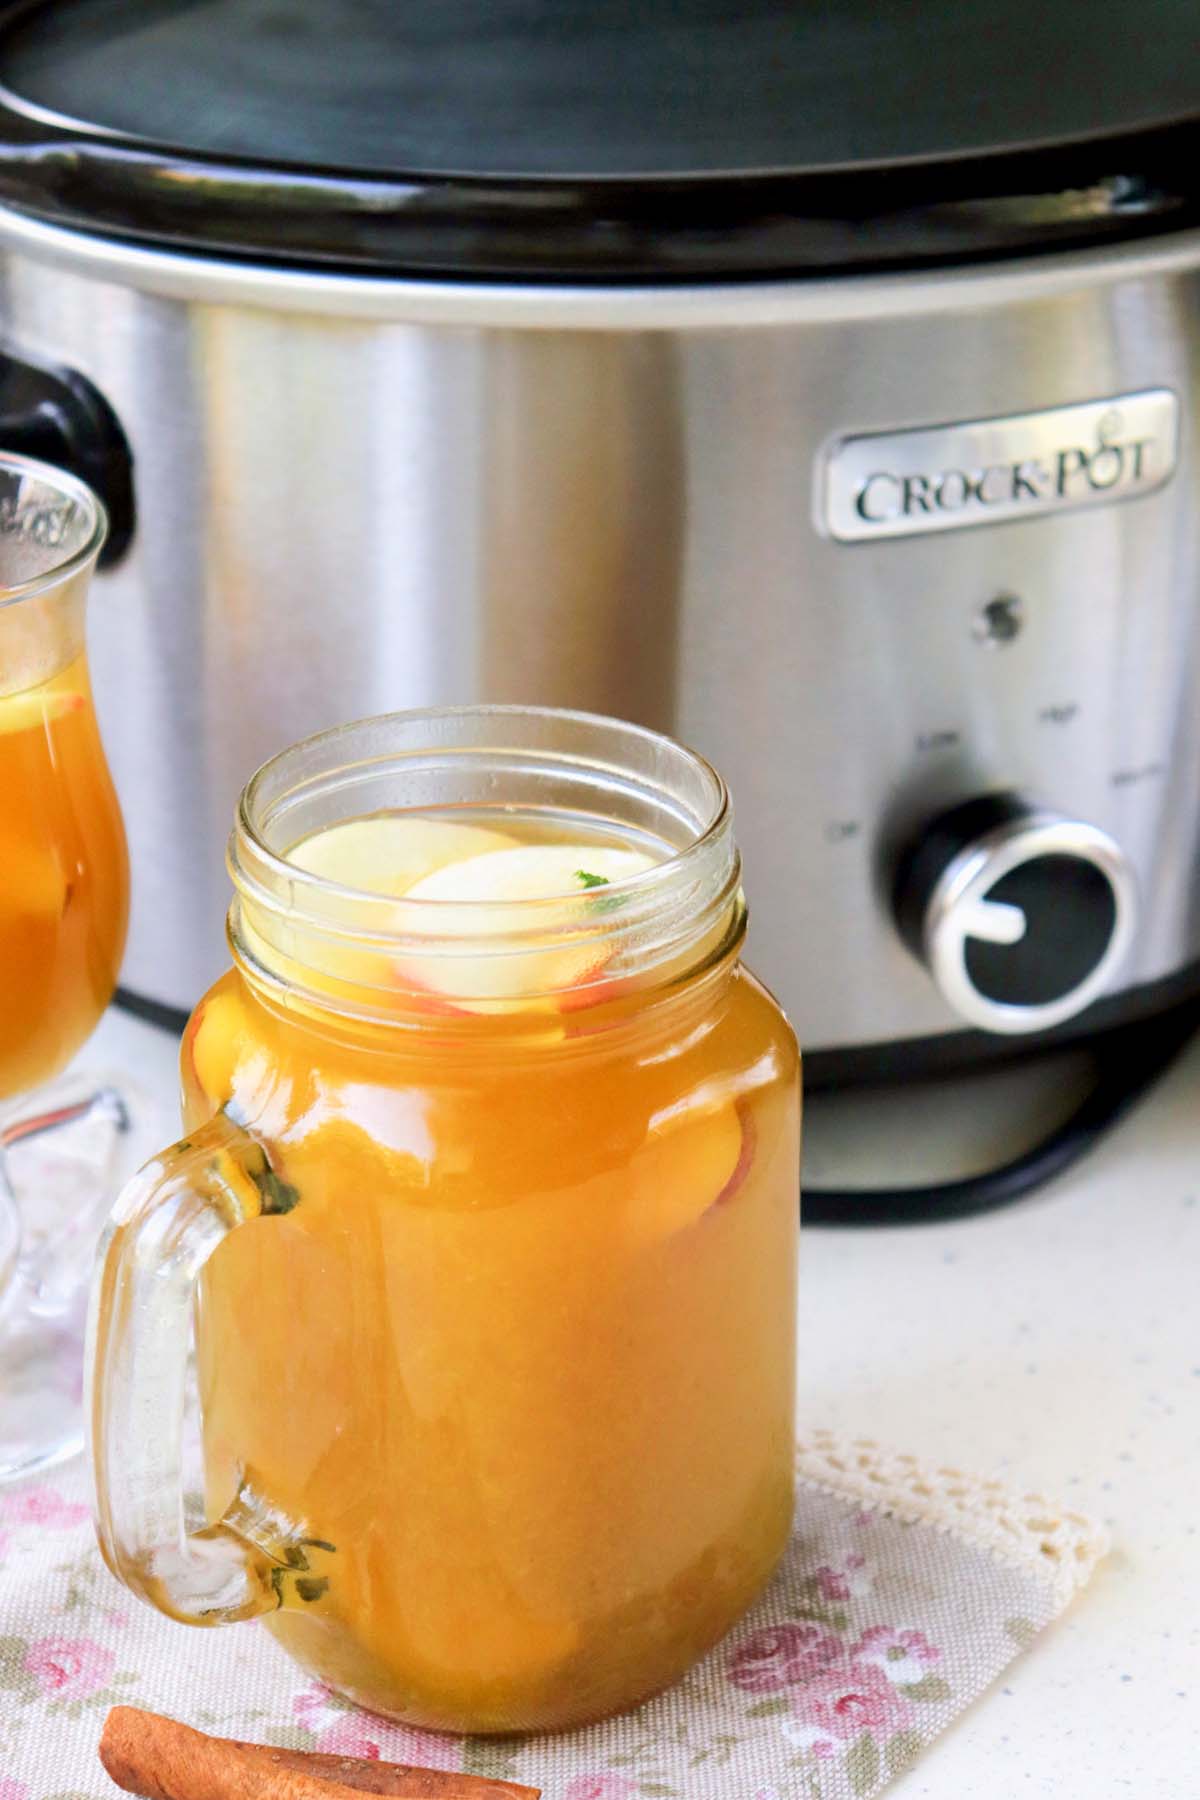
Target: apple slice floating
689	1168
387	852
217	1039
500	879
746	1154
32	883
35	709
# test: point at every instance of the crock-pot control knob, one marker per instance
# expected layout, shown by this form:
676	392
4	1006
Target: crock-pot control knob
1021	916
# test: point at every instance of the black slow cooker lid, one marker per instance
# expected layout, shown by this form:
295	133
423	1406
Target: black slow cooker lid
602	139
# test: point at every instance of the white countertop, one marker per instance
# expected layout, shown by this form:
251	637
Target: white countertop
1055	1343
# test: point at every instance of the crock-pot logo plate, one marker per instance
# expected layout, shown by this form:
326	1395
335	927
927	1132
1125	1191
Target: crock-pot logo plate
898	483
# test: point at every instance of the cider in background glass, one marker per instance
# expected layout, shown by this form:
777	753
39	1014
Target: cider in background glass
64	886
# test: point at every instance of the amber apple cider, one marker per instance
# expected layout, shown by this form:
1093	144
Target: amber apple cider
510	1367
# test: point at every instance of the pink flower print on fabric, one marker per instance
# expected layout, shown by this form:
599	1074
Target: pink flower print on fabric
780	1656
831	1583
850	1582
12	1790
42	1505
339	1730
408	1743
347	1737
904	1656
608	1786
69	1668
839	1704
314	1706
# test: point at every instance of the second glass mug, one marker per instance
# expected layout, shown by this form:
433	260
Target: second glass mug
496	1344
64	893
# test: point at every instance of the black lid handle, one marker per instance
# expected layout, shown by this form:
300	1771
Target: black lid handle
58	415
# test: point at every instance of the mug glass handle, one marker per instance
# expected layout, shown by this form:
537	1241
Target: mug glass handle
166	1224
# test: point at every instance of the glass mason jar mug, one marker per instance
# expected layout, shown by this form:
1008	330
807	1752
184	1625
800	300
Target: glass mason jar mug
493	1146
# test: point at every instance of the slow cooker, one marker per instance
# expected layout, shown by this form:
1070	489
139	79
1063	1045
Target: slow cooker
815	384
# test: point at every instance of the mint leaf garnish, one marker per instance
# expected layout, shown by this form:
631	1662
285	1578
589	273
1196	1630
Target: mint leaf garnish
291	1565
600	905
278	1196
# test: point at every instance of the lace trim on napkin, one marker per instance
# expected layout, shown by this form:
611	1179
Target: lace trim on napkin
1027	1531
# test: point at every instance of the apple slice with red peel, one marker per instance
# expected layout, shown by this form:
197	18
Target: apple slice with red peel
216	1044
746	1155
386	853
501	879
592	993
695	1163
36	708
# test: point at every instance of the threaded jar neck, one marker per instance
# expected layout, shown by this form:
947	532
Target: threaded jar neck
358	951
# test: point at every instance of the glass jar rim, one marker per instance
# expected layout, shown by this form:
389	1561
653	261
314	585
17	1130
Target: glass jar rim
250	795
71	488
353	770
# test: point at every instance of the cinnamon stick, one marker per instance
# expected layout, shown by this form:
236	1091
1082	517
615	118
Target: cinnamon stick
161	1759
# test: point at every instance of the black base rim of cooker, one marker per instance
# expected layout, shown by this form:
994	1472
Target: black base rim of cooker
901	1060
1133	1039
152	1012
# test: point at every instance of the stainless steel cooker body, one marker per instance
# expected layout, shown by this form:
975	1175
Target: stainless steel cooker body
864	542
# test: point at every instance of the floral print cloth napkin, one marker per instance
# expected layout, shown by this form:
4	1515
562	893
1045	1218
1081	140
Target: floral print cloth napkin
904	1594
